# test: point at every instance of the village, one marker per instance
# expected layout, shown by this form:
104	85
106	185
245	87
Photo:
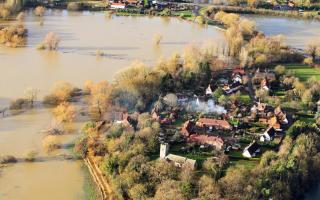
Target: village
196	125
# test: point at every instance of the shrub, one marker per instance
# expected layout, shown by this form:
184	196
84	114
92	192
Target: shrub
4	12
7	159
81	146
308	61
73	6
17	104
199	20
280	69
31	156
51	41
13	36
20	17
50	143
64	112
157	39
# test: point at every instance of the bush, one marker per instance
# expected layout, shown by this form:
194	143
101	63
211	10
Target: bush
4	12
308	61
13	36
199	20
73	6
280	69
50	143
17	104
7	159
31	156
81	146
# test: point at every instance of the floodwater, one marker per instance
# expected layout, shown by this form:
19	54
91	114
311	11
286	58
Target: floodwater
122	39
298	32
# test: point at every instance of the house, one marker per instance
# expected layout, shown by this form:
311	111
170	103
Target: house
213	124
261	107
260	76
318	106
238	71
114	116
273	122
251	150
264	85
281	116
132	2
178	161
213	141
237	78
268	135
232	88
118	6
209	90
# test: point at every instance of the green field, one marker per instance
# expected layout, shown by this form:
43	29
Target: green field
303	72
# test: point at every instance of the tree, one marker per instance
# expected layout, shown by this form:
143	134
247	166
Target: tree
39	11
31	95
62	90
280	70
139	79
99	99
157	39
51	41
212	168
169	190
253	3
20	17
208	189
247	27
171	100
234	40
138	192
313	50
50	143
4	12
64	112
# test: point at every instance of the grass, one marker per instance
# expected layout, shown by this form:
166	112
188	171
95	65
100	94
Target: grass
308	118
90	188
303	72
247	163
245	98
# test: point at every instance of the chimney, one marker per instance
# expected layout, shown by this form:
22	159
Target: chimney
164	149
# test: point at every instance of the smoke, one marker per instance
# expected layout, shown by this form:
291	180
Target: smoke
205	107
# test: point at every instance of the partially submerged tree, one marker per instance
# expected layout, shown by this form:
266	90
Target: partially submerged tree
50	42
31	95
157	39
39	11
50	143
64	112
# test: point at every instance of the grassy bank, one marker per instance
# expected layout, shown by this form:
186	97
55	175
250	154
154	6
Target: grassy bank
89	187
259	11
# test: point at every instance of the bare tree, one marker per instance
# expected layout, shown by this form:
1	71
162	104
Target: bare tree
31	95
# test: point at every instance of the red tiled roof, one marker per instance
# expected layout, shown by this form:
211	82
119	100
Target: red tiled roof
118	4
205	139
214	122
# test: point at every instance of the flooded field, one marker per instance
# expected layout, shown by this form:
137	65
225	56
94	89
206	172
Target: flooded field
122	39
299	33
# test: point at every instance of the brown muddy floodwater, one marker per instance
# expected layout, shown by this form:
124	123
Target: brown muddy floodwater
122	39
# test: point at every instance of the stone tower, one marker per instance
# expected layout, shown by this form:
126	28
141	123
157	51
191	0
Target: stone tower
164	149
